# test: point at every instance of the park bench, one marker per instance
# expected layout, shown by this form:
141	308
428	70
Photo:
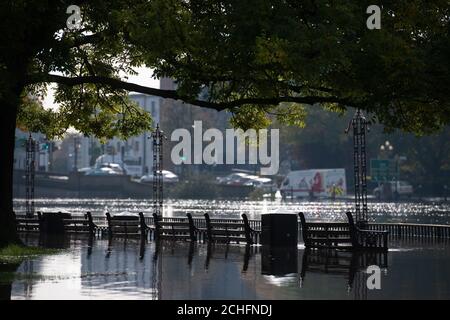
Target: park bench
24	224
82	224
229	230
175	228
341	235
367	239
127	226
70	223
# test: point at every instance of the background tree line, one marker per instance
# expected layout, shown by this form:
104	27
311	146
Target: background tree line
323	143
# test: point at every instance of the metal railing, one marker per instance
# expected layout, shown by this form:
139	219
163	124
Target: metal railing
397	230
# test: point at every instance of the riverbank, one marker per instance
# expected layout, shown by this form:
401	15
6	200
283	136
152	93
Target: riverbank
14	254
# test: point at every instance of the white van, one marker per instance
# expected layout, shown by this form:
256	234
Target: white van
324	183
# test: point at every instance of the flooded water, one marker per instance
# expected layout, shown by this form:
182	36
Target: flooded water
414	212
119	269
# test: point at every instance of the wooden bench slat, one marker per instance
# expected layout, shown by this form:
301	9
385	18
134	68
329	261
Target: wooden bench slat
175	229
165	223
236	230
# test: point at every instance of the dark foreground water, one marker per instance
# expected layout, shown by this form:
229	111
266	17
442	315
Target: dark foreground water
120	269
99	269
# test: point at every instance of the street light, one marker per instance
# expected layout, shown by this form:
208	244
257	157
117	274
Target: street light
76	146
385	149
387	146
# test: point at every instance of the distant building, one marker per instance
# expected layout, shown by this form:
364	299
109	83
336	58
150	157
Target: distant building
135	153
72	153
76	151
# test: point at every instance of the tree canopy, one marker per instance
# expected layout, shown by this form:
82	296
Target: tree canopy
258	59
255	58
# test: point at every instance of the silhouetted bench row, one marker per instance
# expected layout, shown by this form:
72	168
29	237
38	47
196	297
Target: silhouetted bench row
128	226
315	234
216	230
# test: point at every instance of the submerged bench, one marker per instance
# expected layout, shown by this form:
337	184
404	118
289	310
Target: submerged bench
79	224
70	223
229	230
126	225
340	235
177	229
24	224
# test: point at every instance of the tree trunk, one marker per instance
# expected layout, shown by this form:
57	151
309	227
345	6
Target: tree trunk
6	284
9	102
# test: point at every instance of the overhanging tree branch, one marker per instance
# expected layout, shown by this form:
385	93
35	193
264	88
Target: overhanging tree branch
172	94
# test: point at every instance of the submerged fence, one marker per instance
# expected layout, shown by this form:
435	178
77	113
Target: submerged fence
396	230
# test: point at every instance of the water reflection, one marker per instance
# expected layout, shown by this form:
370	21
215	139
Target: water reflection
7	272
92	268
222	252
345	263
279	261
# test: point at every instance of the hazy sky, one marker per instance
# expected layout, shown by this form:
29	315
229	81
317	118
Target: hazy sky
144	78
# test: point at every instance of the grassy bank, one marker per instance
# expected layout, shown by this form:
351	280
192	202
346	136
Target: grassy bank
16	253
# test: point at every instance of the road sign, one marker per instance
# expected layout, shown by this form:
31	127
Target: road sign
383	170
20	142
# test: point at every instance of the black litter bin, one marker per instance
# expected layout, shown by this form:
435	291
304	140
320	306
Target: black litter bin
279	229
53	222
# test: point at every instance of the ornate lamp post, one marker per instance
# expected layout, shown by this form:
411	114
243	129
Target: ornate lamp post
157	139
360	126
30	147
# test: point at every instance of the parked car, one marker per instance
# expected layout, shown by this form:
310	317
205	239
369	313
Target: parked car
113	166
102	172
398	189
265	184
85	170
167	176
236	179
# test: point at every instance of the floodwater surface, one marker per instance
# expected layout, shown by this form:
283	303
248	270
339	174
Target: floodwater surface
130	269
407	212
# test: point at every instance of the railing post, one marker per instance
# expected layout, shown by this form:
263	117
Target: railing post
157	225
108	219
208	227
248	230
191	227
